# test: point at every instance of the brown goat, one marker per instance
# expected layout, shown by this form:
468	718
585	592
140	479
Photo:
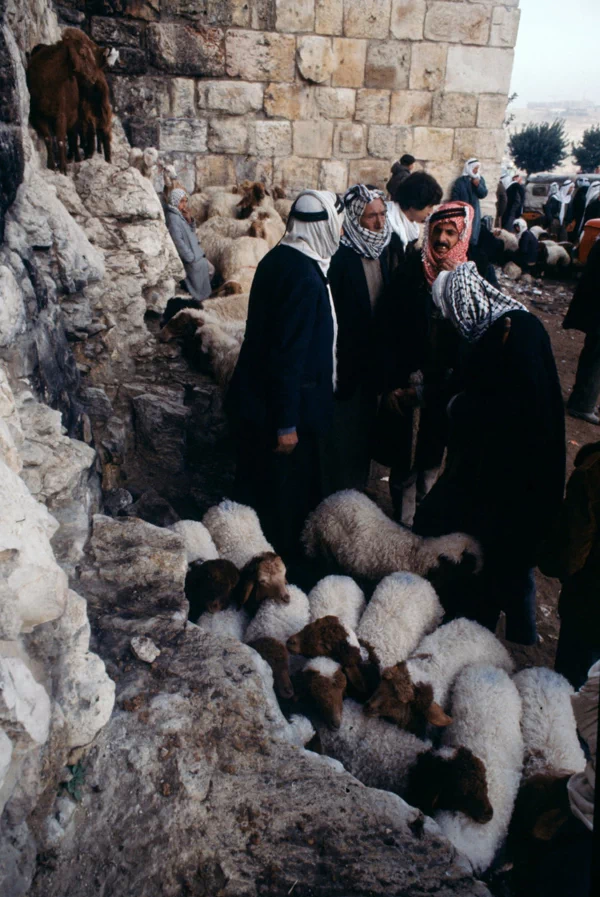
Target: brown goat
276	655
263	577
327	637
209	586
327	692
404	703
454	782
95	111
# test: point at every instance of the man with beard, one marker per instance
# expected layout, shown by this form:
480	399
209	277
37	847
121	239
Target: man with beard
417	358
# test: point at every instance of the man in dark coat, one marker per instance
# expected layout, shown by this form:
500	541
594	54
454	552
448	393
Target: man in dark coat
501	202
515	203
471	187
358	275
584	315
281	394
416	353
574	215
526	256
504	477
400	171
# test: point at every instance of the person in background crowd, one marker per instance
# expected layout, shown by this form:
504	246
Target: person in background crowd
574	215
412	203
358	275
183	233
470	187
552	207
584	315
563	197
501	202
527	254
504	476
281	395
592	204
400	171
515	202
572	555
417	351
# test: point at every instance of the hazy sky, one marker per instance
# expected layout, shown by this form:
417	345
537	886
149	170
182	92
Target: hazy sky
557	56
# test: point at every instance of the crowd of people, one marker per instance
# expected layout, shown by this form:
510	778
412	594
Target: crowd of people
359	347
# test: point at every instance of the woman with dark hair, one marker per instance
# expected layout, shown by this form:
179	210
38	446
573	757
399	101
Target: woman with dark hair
412	202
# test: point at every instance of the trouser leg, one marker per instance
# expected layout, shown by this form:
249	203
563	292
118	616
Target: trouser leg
587	379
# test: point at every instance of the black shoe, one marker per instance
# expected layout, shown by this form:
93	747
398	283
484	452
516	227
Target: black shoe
588	416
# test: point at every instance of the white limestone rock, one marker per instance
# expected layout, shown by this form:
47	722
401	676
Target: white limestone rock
144	648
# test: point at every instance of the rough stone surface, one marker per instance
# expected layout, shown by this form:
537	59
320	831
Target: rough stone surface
333	176
295	15
183	135
373	106
294	172
482	142
389	143
335	102
491	111
434	144
233	98
350	59
329	16
291	101
369	171
408	17
254	56
186	50
227	136
367	19
350	140
428	66
411	107
388	64
315	58
272	138
505	25
313	139
463	23
12	308
454	110
478	70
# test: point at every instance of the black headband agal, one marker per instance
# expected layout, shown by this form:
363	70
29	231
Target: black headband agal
443	214
321	215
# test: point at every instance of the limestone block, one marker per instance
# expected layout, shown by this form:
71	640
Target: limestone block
146	97
253	56
294	174
209	12
389	142
335	102
408	17
115	32
350	58
110	193
295	15
144	648
478	70
215	170
291	101
271	138
434	144
428	66
485	143
313	139
388	64
256	14
367	19
373	106
24	703
12	308
6	750
183	93
462	23
183	135
454	110
253	168
445	173
232	97
350	140
333	175
369	171
315	58
227	135
329	16
491	111
186	50
411	107
505	27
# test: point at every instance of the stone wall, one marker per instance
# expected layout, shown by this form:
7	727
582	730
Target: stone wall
309	92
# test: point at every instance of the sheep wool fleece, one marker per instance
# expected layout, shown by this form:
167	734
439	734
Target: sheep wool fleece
280	621
236	532
338	596
197	540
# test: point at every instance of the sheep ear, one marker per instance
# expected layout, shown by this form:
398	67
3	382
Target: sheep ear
246	589
354	676
436	716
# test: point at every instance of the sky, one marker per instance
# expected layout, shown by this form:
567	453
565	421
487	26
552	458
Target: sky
557	56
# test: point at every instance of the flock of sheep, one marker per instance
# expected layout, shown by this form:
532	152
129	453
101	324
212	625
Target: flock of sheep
431	712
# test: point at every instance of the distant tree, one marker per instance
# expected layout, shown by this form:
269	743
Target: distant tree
539	147
587	154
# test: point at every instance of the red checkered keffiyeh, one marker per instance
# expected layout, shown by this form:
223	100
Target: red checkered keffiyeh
461	215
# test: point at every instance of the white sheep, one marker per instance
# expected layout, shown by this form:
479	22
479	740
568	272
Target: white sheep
239	258
226	308
279	621
555	256
548	722
236	532
403	609
221	343
268	225
510	241
229	622
378	753
339	596
283	207
538	231
486	717
221	204
440	657
197	540
351	529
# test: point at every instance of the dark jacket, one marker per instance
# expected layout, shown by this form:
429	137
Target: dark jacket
515	196
572	554
504	477
501	200
584	310
399	174
592	210
356	334
465	191
284	375
527	253
551	210
576	210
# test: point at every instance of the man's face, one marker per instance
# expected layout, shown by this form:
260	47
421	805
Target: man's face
418	215
183	204
444	237
373	217
476	171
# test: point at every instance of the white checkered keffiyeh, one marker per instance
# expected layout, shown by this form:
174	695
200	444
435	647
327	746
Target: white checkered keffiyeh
365	242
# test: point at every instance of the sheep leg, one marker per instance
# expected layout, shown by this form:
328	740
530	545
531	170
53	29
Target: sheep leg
104	136
61	136
73	145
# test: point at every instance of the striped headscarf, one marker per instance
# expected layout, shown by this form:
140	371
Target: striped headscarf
469	302
365	242
461	215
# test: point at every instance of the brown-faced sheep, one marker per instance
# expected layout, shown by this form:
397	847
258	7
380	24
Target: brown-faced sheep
262	578
324	683
255	195
276	655
452	780
209	586
407	704
327	637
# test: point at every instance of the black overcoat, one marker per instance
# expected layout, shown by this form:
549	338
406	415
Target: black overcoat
584	310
